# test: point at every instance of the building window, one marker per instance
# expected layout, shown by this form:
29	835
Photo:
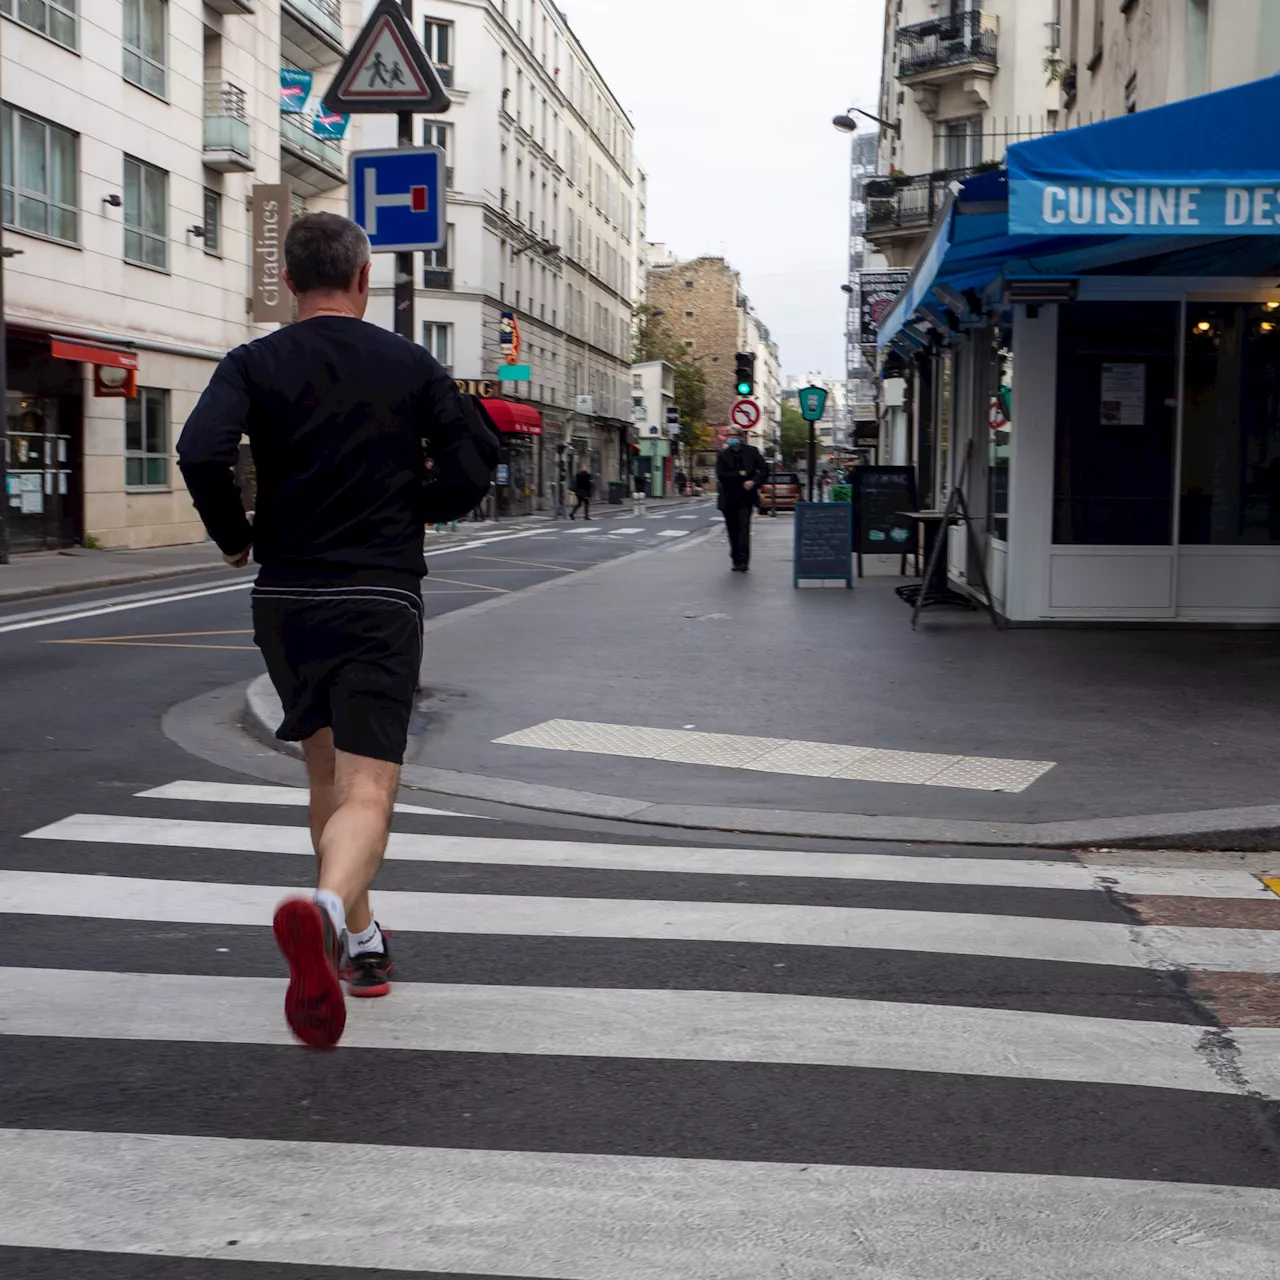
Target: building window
1131	94
53	18
1099	34
438	340
39	176
146	439
688	315
436	271
959	143
438	42
437	135
212	222
146	215
145	23
688	284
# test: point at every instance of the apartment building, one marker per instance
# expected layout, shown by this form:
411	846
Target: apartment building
962	79
134	133
701	303
653	401
544	199
1121	56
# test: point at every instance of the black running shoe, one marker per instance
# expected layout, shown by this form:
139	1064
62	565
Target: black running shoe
370	971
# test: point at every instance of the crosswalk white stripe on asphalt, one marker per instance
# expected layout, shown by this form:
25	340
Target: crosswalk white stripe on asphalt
626	530
607	1217
707	1026
673	533
245	793
184	833
947	933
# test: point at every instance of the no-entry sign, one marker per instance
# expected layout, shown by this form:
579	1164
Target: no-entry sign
745	414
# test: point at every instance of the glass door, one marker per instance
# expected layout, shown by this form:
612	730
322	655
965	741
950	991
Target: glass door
38	466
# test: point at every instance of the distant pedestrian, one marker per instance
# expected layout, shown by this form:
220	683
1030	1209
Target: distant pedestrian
740	471
681	481
581	495
638	495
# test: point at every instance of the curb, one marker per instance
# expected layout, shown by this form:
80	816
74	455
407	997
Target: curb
1256	828
10	594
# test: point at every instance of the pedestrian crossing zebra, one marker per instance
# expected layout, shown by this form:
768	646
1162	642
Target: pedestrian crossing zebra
624	1060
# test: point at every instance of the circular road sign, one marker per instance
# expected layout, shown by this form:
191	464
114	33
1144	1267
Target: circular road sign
745	414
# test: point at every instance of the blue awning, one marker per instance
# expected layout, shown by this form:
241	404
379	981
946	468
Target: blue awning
1192	166
1202	166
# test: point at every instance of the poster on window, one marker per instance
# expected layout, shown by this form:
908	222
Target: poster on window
1124	395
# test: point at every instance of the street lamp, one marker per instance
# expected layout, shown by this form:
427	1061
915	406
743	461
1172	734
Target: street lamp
847	124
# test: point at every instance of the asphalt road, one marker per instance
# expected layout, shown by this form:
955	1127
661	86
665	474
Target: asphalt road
611	1053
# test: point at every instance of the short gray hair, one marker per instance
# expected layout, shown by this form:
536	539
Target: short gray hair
324	251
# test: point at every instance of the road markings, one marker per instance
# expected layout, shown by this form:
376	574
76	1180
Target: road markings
704	1026
475	586
612	1217
780	755
532	564
101	610
45	893
673	533
252	837
250	793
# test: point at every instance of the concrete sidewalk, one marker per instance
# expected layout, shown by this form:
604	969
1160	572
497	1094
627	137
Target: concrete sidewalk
1160	736
48	573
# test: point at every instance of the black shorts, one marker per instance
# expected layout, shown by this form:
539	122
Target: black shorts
345	658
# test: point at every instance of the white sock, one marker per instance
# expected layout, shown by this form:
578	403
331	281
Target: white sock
329	901
369	940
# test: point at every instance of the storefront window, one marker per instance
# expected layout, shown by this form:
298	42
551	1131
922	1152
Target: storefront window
1117	416
1231	425
999	428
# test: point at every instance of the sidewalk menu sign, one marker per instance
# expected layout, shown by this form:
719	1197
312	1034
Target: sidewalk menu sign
823	533
880	496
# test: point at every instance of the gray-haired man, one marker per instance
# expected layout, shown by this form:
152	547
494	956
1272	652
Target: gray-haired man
336	411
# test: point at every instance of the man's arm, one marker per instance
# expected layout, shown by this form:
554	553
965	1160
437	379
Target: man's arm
461	445
207	451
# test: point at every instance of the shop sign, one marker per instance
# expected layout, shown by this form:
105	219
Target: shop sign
272	302
483	387
1212	208
295	89
329	124
878	290
509	337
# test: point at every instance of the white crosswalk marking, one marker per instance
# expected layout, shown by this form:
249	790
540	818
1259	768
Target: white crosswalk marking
673	533
626	1061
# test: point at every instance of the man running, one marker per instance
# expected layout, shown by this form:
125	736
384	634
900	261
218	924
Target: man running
336	411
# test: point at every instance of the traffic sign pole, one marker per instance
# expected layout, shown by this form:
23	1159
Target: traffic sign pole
405	324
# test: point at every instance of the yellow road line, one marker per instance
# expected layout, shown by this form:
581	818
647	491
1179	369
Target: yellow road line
478	586
159	635
1272	883
535	564
153	644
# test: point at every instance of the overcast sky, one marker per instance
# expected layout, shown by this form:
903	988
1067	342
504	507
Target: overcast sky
732	102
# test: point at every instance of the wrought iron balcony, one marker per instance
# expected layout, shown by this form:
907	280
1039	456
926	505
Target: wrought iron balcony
226	129
313	164
947	46
311	32
908	205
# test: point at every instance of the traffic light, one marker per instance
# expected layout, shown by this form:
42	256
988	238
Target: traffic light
744	377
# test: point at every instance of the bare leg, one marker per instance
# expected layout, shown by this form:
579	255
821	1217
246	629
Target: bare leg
321	760
354	836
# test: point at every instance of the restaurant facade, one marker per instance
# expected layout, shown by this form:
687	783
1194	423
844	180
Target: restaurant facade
1091	347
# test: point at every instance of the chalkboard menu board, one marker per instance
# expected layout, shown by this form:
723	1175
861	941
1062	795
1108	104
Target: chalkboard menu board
880	496
824	534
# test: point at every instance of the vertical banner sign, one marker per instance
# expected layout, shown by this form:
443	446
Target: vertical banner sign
271	299
295	89
509	337
878	290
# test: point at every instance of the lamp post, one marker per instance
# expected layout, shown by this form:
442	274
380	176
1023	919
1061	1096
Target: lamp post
847	124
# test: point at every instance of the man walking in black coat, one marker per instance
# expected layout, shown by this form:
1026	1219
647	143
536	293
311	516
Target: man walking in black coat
740	471
581	495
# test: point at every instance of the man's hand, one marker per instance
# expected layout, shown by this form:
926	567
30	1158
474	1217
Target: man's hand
750	484
238	561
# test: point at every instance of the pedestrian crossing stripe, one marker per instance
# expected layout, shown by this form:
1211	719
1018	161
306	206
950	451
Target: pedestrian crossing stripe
705	1026
245	793
185	833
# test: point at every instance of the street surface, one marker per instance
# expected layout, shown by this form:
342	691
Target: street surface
613	1052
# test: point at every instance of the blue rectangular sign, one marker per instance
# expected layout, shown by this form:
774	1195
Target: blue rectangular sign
1208	208
514	373
329	124
398	198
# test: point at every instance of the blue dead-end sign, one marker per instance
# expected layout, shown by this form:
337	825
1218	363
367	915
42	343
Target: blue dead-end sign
398	198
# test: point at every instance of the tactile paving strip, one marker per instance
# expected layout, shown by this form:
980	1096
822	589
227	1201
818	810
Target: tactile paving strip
782	755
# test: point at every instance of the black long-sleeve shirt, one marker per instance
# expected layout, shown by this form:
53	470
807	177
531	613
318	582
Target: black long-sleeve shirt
337	412
734	467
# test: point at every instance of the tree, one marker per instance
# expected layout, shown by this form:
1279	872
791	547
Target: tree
795	434
654	342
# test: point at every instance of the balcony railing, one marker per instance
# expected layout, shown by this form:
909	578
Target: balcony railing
311	31
957	41
226	129
895	204
315	164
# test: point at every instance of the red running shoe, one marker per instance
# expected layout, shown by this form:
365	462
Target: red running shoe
313	1006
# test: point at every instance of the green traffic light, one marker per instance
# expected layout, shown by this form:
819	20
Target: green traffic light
744	388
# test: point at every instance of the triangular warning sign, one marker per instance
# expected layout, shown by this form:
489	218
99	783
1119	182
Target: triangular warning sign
386	70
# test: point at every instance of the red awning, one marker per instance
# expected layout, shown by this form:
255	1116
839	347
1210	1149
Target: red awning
92	352
512	417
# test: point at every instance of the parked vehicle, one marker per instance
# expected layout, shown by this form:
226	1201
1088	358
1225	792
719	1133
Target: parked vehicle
782	492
